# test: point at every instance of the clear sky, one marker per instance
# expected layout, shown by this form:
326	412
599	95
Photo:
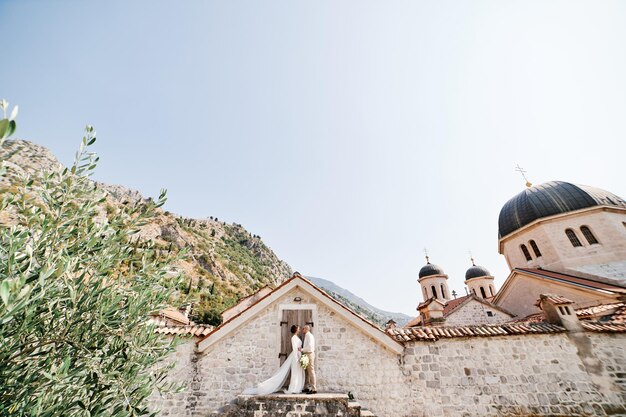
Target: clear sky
350	135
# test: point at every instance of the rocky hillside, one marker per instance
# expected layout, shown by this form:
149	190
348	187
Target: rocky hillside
359	305
223	261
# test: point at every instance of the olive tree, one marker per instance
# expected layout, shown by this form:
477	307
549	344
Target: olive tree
76	288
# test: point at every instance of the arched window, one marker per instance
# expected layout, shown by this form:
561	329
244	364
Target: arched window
535	248
434	290
526	253
443	292
573	238
491	290
482	292
588	235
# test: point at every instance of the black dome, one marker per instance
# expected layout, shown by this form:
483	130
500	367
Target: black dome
429	270
476	271
548	199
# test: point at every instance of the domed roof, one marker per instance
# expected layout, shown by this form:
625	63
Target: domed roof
476	271
548	199
429	270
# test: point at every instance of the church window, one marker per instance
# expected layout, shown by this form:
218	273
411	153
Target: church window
443	291
561	310
491	290
535	248
573	238
482	292
567	310
526	253
434	290
588	235
426	297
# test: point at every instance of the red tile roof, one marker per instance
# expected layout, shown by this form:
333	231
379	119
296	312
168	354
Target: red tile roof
585	282
597	310
597	326
200	330
453	304
554	299
404	335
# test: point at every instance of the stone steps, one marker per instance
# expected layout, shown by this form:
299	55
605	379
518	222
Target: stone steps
300	405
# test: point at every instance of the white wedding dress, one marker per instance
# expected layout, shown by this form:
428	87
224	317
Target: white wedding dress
276	381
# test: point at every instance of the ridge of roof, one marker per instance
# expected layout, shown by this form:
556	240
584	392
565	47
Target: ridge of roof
465	299
432	333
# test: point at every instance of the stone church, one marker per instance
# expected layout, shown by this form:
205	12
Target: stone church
551	341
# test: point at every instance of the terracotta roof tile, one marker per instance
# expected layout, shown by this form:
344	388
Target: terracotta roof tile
619	317
173	314
596	326
598	309
197	330
453	304
554	299
434	333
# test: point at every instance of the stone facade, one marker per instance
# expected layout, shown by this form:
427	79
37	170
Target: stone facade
605	259
347	361
535	374
475	313
521	292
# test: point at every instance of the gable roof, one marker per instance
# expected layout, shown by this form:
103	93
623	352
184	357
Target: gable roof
429	302
453	305
298	281
457	303
558	277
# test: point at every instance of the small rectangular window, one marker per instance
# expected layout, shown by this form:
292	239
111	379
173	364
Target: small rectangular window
490	314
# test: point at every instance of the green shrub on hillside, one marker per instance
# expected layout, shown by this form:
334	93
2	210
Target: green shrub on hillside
75	292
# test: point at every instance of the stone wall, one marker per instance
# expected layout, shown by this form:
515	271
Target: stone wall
513	375
475	312
347	361
545	374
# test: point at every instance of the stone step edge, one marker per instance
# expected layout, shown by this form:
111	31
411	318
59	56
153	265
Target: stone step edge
367	413
354	404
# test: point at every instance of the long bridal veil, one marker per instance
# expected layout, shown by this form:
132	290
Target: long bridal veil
276	381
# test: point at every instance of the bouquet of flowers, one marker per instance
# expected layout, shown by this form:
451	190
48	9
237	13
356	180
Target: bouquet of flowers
304	362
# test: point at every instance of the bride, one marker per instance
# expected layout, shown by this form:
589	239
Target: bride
291	364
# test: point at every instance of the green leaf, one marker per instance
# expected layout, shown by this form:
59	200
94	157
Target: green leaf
4	292
4	127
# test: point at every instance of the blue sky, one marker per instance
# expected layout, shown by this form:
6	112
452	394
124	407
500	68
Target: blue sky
350	135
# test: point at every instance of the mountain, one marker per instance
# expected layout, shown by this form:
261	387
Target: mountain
223	262
358	304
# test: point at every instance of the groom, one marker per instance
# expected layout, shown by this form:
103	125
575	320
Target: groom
308	348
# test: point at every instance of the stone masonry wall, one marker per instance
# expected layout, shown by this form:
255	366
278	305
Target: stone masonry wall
347	361
511	375
475	312
491	376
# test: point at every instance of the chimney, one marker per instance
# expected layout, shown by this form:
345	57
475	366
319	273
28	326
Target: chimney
559	310
431	312
390	325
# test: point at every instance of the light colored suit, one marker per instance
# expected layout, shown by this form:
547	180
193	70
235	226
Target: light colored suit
308	348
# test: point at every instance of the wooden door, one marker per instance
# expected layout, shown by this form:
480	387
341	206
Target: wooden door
291	317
